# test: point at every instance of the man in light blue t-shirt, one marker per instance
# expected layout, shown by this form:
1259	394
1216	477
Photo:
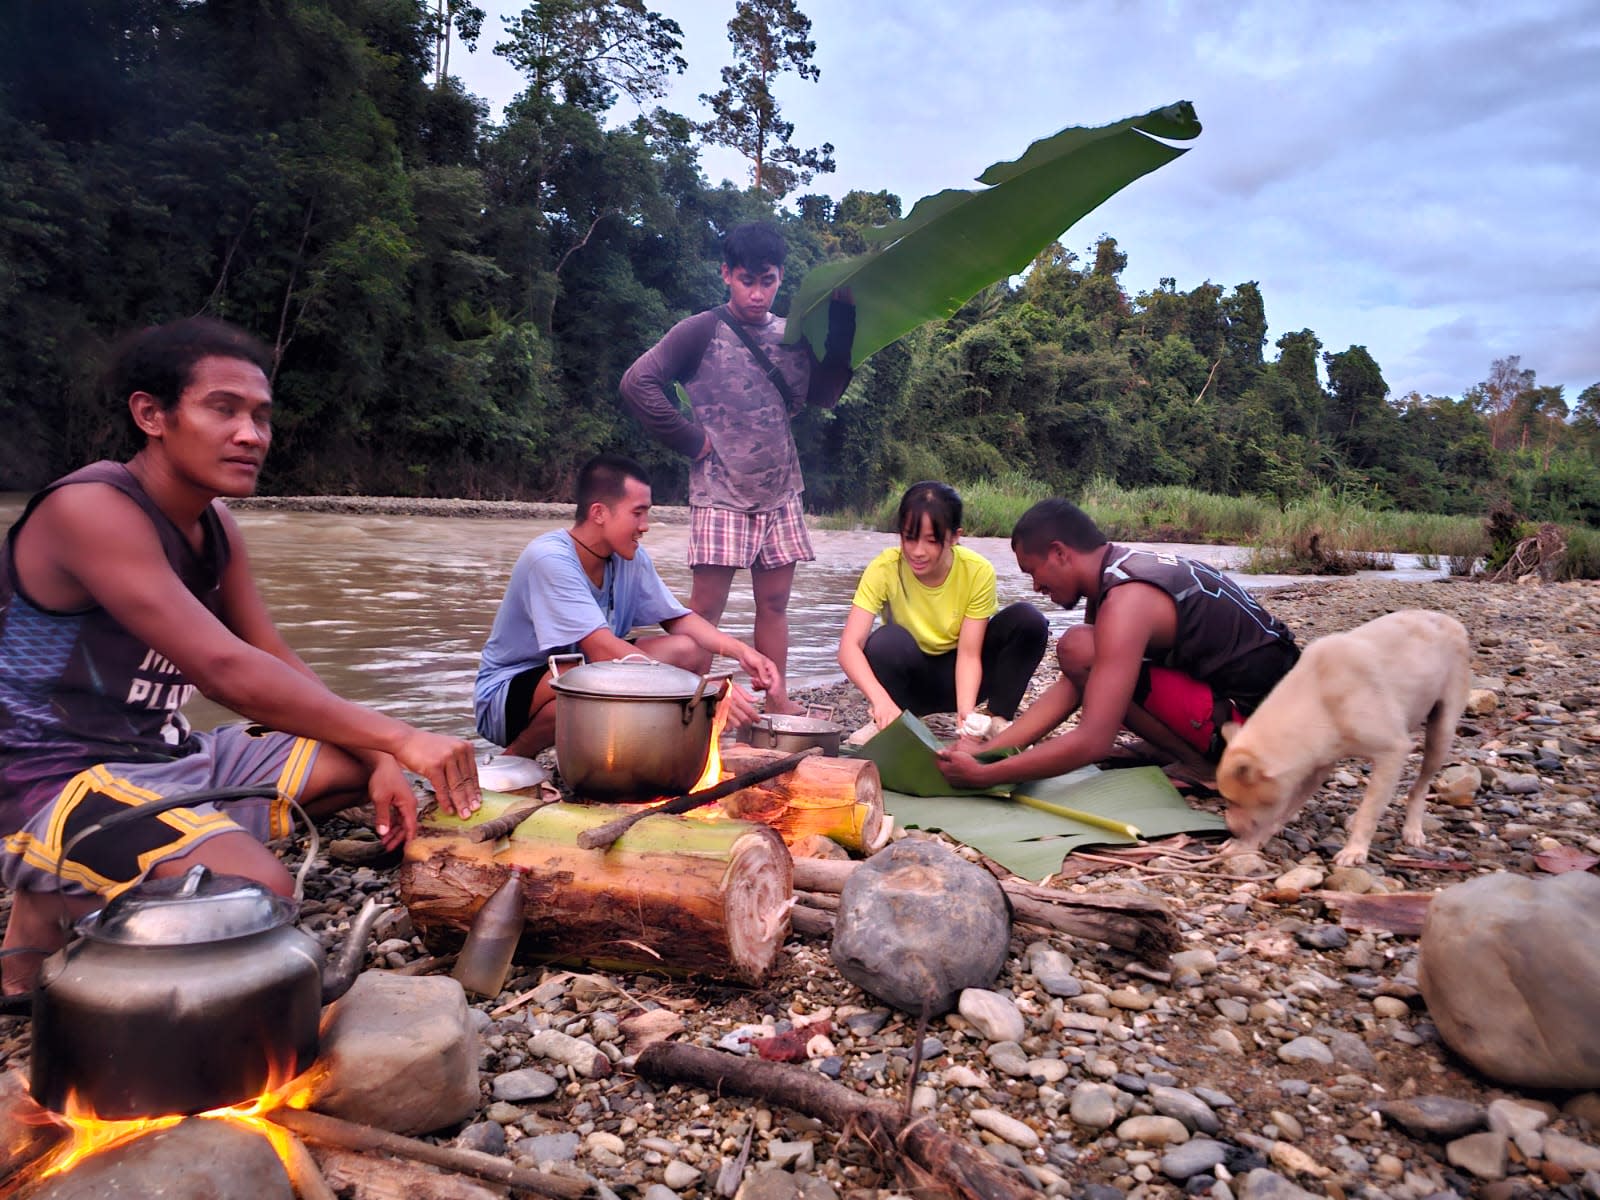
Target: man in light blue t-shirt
582	590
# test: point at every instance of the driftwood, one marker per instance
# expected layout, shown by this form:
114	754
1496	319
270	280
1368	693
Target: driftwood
368	1177
1540	555
304	1172
1123	920
347	1135
1399	913
674	894
602	837
956	1163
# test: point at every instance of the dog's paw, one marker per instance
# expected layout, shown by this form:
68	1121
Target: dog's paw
1413	838
1350	856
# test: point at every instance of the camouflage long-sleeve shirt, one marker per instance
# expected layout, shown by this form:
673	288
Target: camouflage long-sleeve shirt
753	465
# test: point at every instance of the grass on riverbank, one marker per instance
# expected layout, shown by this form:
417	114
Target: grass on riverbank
1322	533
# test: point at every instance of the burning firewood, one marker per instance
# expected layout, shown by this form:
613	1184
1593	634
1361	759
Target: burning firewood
693	896
839	798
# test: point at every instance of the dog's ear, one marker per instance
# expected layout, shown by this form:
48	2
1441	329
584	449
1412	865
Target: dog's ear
1245	768
1229	728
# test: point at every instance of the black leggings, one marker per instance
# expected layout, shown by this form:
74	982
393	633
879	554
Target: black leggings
924	683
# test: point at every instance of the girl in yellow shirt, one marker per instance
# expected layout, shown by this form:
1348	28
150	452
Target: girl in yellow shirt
942	647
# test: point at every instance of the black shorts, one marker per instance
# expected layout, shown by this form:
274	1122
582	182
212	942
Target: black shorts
519	699
1248	680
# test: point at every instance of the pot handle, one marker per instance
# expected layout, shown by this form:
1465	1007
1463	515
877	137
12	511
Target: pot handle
822	712
556	660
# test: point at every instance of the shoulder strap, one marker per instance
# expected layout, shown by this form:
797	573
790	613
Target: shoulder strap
774	376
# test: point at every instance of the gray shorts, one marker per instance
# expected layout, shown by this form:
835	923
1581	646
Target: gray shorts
231	756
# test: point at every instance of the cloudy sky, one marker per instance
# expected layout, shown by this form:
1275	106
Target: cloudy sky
1416	178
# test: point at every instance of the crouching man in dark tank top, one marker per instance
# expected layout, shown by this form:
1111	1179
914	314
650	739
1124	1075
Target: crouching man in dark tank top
1170	649
124	588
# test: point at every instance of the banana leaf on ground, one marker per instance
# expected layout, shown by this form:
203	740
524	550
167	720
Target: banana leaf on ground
1027	827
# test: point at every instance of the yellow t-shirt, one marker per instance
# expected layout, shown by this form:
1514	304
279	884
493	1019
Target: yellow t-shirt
932	616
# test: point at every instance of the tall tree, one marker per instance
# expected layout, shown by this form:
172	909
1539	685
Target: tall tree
1496	397
770	37
588	50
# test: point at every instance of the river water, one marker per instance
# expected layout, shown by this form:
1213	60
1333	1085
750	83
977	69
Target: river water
393	611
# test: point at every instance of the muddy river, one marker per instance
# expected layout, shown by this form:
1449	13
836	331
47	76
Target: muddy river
392	611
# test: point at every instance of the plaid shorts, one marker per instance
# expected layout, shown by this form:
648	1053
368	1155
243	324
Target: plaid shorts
721	537
236	755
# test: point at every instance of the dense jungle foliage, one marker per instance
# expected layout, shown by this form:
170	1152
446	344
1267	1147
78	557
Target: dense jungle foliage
452	300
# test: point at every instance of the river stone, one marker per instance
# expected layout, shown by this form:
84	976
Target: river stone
1481	1154
1509	967
1570	1154
1349	1050
1053	970
1153	1131
1457	785
917	924
389	1030
523	1084
1193	1158
1007	1128
1433	1116
486	1137
680	1175
1093	1105
1191	1110
548	1147
1305	1049
193	1160
1512	1117
993	1015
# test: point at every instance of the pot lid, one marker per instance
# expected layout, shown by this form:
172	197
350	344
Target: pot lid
195	908
632	678
784	723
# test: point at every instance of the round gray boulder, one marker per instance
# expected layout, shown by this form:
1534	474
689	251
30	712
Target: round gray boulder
918	923
1510	968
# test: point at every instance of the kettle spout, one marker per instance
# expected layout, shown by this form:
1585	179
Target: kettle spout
341	969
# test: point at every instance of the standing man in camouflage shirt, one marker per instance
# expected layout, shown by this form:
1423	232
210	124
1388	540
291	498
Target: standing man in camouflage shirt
743	385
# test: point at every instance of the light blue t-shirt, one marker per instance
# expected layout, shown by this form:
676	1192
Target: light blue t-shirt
550	606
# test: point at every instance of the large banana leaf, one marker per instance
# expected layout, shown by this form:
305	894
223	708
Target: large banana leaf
955	243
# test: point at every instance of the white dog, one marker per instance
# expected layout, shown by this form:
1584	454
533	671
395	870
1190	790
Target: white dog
1351	695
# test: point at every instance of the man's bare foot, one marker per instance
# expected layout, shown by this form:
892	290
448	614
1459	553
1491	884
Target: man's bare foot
782	706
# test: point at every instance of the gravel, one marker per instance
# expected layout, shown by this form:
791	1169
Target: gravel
1259	1068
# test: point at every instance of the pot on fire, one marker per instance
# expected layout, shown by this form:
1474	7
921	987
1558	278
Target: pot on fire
183	995
632	728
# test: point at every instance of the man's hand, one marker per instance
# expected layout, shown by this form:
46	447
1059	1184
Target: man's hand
391	796
447	764
885	712
968	744
762	670
741	706
960	768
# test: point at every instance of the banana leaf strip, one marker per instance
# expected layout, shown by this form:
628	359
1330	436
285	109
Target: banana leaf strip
955	243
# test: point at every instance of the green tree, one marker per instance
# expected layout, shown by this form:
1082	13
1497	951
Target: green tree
770	38
585	51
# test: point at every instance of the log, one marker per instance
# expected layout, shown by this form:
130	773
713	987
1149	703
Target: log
839	798
603	836
368	1177
958	1164
682	895
1123	920
348	1135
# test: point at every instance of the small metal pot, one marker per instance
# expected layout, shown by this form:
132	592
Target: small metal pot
632	728
794	734
183	995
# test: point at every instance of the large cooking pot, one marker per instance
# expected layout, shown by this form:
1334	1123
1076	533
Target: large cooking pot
631	728
182	995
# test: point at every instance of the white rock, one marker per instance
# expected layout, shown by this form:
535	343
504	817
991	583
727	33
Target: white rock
680	1176
994	1016
1007	1128
1300	879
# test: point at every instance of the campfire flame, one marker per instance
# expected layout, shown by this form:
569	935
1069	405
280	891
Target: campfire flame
89	1135
712	775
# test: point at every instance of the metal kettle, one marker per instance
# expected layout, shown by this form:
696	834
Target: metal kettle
183	995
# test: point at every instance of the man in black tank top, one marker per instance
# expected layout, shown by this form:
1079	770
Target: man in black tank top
1170	648
123	589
